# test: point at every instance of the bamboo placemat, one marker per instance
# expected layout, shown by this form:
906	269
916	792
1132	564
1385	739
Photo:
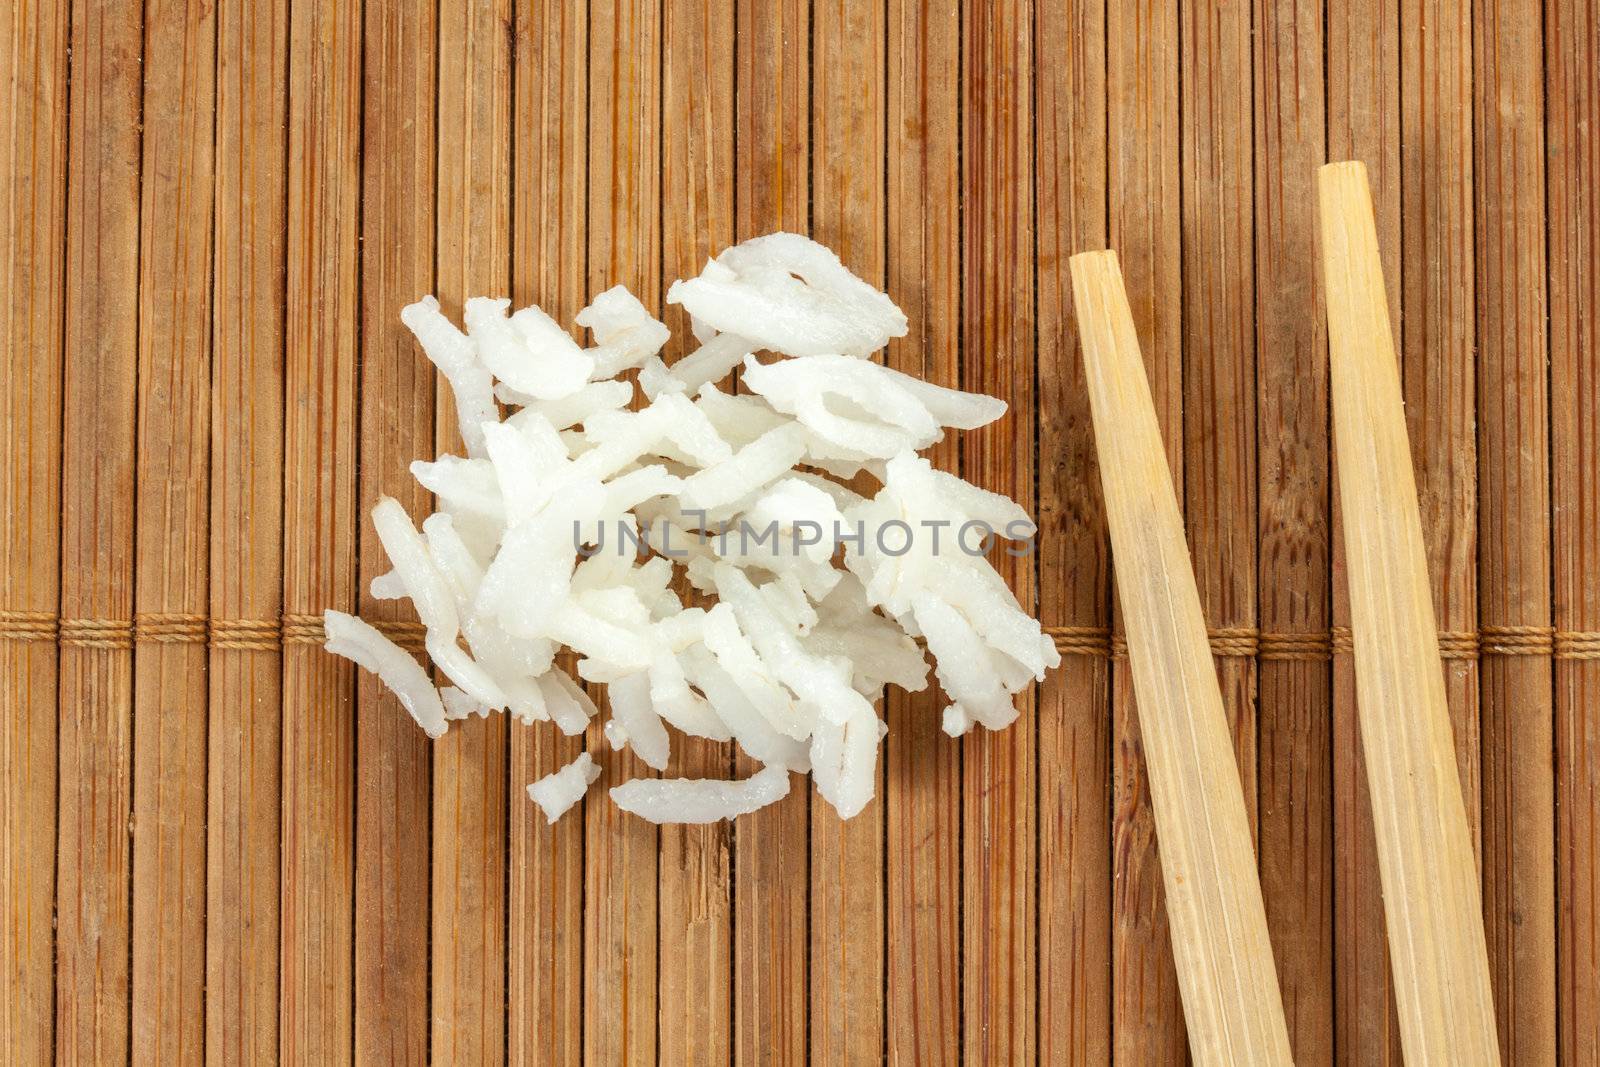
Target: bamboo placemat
220	842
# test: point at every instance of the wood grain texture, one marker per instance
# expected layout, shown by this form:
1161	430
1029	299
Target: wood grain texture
321	424
467	994
695	903
847	188
247	531
1142	75
95	733
1572	129
1294	729
922	795
1219	342
621	851
1220	944
1438	333
1075	767
1363	123
1431	899
394	760
171	532
999	796
356	157
771	861
33	195
544	957
1516	700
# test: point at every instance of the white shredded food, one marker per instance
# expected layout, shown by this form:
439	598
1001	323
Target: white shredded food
569	515
558	791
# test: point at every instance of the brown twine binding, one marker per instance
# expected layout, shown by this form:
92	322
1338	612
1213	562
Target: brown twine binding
1081	640
265	635
245	635
1296	646
1577	644
407	634
1235	642
303	630
97	633
28	626
169	629
1519	640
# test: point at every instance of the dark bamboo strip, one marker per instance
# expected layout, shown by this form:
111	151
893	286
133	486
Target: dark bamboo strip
695	877
922	808
772	146
999	801
1075	771
549	152
1437	301
247	480
624	248
93	857
471	762
247	546
1294	709
393	759
171	567
1516	706
1572	125
1142	122
1219	342
1363	123
319	550
33	196
847	188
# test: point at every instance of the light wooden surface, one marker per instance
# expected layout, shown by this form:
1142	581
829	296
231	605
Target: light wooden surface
1431	896
1218	923
355	156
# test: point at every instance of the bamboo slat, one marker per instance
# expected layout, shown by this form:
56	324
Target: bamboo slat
171	501
394	760
1572	43
847	878
999	796
247	530
1431	897
467	997
922	805
620	912
1219	342
771	872
1142	74
94	803
957	153
1437	301
1295	768
322	279
549	152
1363	123
1075	768
1219	931
696	904
33	196
1517	699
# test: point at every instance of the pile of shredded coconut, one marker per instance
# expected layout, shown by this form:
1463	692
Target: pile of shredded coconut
566	521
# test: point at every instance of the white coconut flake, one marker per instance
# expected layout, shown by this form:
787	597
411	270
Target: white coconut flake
364	646
791	295
558	791
700	800
565	525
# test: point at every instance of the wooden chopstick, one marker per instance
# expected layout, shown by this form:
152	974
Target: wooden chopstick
1430	881
1224	962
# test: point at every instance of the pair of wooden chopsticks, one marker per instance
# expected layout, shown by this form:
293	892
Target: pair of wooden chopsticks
1229	986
